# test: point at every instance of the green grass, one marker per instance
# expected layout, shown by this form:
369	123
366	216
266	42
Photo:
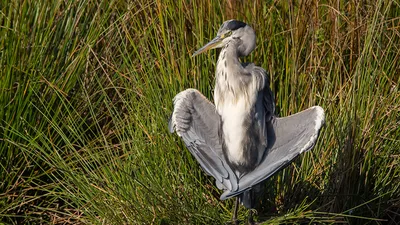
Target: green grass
86	94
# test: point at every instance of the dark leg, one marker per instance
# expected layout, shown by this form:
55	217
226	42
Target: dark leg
250	219
235	211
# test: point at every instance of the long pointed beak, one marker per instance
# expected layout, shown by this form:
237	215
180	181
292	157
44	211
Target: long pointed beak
214	43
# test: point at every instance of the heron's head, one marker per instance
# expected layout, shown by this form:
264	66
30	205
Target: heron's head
243	35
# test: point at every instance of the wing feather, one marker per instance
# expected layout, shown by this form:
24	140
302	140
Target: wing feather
196	120
262	81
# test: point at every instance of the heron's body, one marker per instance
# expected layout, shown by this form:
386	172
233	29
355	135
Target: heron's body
238	101
238	97
239	141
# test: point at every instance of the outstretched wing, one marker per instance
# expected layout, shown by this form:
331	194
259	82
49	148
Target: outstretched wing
196	120
288	137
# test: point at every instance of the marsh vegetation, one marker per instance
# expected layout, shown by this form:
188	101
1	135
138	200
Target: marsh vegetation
86	92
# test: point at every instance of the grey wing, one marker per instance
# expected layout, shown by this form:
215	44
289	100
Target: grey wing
268	96
196	120
288	137
266	103
261	81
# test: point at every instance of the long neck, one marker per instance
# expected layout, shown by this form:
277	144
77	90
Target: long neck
227	74
229	55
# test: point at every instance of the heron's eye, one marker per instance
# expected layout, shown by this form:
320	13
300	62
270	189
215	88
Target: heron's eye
227	34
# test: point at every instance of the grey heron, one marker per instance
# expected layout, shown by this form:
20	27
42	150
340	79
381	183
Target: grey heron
240	141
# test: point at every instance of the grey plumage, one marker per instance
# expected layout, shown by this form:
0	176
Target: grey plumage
197	122
239	141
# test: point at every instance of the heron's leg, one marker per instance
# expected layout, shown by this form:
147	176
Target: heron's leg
250	219
235	211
